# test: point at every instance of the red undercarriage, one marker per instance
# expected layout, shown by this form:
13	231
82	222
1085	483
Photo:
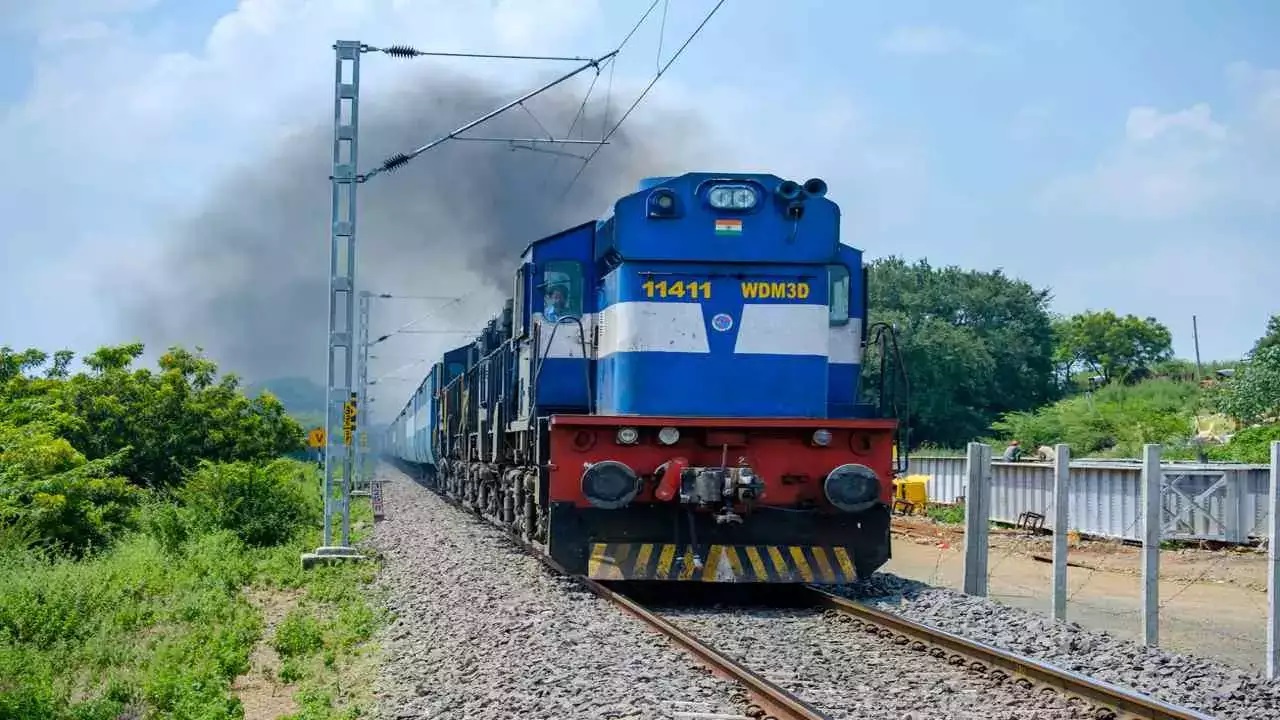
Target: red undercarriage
780	451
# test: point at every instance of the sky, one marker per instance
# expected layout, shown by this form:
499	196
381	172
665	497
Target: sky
168	160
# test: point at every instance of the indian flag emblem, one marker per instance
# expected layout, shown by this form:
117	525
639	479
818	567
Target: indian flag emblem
728	226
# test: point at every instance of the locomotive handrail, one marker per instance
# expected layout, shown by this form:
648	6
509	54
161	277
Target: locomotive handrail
586	370
903	415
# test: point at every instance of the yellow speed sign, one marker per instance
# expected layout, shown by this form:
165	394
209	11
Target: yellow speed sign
315	438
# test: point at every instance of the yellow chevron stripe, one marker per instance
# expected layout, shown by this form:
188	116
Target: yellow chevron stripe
797	555
595	563
608	561
621	553
825	574
686	564
723	563
665	558
757	563
712	563
640	567
735	564
845	562
780	565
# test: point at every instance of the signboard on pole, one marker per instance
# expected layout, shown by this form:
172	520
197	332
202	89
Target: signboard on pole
315	438
348	420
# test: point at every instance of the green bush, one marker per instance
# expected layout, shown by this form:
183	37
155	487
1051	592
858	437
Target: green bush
51	496
165	521
261	505
298	634
1115	420
1253	394
1251	445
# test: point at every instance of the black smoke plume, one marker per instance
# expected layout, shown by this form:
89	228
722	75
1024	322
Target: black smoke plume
247	277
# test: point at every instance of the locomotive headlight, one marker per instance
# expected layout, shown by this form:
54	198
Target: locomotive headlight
628	436
852	487
822	437
668	436
662	203
609	485
732	197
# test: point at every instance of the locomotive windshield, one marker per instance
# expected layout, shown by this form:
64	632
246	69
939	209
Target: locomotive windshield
561	290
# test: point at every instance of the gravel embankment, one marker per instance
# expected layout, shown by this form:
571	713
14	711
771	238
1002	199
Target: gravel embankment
854	674
482	630
1213	688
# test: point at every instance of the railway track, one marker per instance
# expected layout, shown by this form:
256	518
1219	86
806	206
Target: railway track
766	699
1041	684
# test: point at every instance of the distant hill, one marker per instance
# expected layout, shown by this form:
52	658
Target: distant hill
303	398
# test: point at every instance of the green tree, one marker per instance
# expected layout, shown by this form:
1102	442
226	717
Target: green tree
1117	348
51	496
975	345
158	424
1271	338
1253	393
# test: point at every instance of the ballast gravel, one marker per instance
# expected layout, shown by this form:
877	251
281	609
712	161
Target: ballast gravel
483	630
851	674
1212	688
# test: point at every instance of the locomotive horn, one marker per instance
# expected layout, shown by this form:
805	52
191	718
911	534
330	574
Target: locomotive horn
789	190
816	187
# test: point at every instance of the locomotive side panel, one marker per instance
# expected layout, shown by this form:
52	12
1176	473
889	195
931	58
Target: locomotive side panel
562	317
847	322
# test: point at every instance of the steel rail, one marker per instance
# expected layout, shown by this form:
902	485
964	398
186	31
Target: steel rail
772	699
1125	703
1117	702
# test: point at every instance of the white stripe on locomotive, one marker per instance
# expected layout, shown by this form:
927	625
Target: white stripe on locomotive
845	343
778	329
567	342
640	326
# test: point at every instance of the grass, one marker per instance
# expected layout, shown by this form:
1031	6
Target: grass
946	514
143	630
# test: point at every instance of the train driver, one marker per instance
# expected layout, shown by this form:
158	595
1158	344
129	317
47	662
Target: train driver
555	303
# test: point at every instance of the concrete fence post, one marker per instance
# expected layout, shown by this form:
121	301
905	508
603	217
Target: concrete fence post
1152	520
1061	478
1273	566
977	513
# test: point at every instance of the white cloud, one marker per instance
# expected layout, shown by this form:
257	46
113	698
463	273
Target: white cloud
1184	162
933	40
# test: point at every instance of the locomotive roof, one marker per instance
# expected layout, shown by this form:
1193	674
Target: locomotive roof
648	184
553	236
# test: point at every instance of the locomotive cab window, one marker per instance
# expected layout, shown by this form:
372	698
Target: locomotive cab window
561	290
838	294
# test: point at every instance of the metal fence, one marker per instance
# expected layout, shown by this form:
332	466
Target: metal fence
1216	501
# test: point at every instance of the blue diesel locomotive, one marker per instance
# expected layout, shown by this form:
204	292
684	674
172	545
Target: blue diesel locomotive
672	393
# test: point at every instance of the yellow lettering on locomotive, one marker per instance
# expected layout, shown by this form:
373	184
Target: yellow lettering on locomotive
662	289
761	290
